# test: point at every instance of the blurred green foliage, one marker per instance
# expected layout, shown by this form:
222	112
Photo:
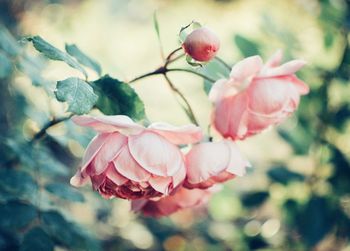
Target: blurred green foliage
311	210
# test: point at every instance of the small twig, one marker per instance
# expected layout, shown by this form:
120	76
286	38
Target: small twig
189	110
49	124
193	72
168	58
163	70
160	70
223	63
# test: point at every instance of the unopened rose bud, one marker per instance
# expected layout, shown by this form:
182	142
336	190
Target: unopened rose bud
202	44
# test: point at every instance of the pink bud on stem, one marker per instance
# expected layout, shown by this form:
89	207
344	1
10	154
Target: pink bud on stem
202	44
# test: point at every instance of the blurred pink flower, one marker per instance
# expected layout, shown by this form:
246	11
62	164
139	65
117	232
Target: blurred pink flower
256	96
183	198
213	162
202	44
129	161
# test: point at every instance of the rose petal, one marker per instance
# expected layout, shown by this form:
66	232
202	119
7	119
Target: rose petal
246	68
206	160
229	116
126	165
186	134
78	180
268	95
275	59
286	69
161	184
155	154
114	176
180	176
116	123
92	149
238	163
302	88
221	89
110	149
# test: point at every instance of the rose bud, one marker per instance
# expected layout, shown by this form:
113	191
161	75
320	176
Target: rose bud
213	162
129	161
182	199
202	44
256	96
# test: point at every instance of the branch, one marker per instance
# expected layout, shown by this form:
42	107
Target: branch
49	124
189	110
193	72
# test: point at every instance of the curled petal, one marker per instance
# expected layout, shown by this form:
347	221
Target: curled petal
212	162
221	89
114	176
286	69
238	163
246	68
206	160
78	180
186	134
302	88
110	149
275	59
116	123
230	117
161	184
92	149
155	154
126	165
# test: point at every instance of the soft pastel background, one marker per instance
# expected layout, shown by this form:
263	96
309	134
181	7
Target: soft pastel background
297	196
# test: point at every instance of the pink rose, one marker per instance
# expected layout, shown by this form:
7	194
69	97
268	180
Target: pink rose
202	44
129	161
183	198
256	96
213	162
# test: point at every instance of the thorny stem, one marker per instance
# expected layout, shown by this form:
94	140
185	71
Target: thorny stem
189	110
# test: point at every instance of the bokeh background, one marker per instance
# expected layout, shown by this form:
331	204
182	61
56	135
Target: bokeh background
296	196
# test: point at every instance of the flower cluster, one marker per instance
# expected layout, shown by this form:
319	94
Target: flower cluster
146	165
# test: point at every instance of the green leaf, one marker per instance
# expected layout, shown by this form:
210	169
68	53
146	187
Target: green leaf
193	62
5	66
36	239
116	97
32	67
254	199
35	158
53	53
315	220
66	233
65	191
7	42
156	25
283	175
77	93
299	139
8	240
17	184
82	58
16	215
214	70
246	46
